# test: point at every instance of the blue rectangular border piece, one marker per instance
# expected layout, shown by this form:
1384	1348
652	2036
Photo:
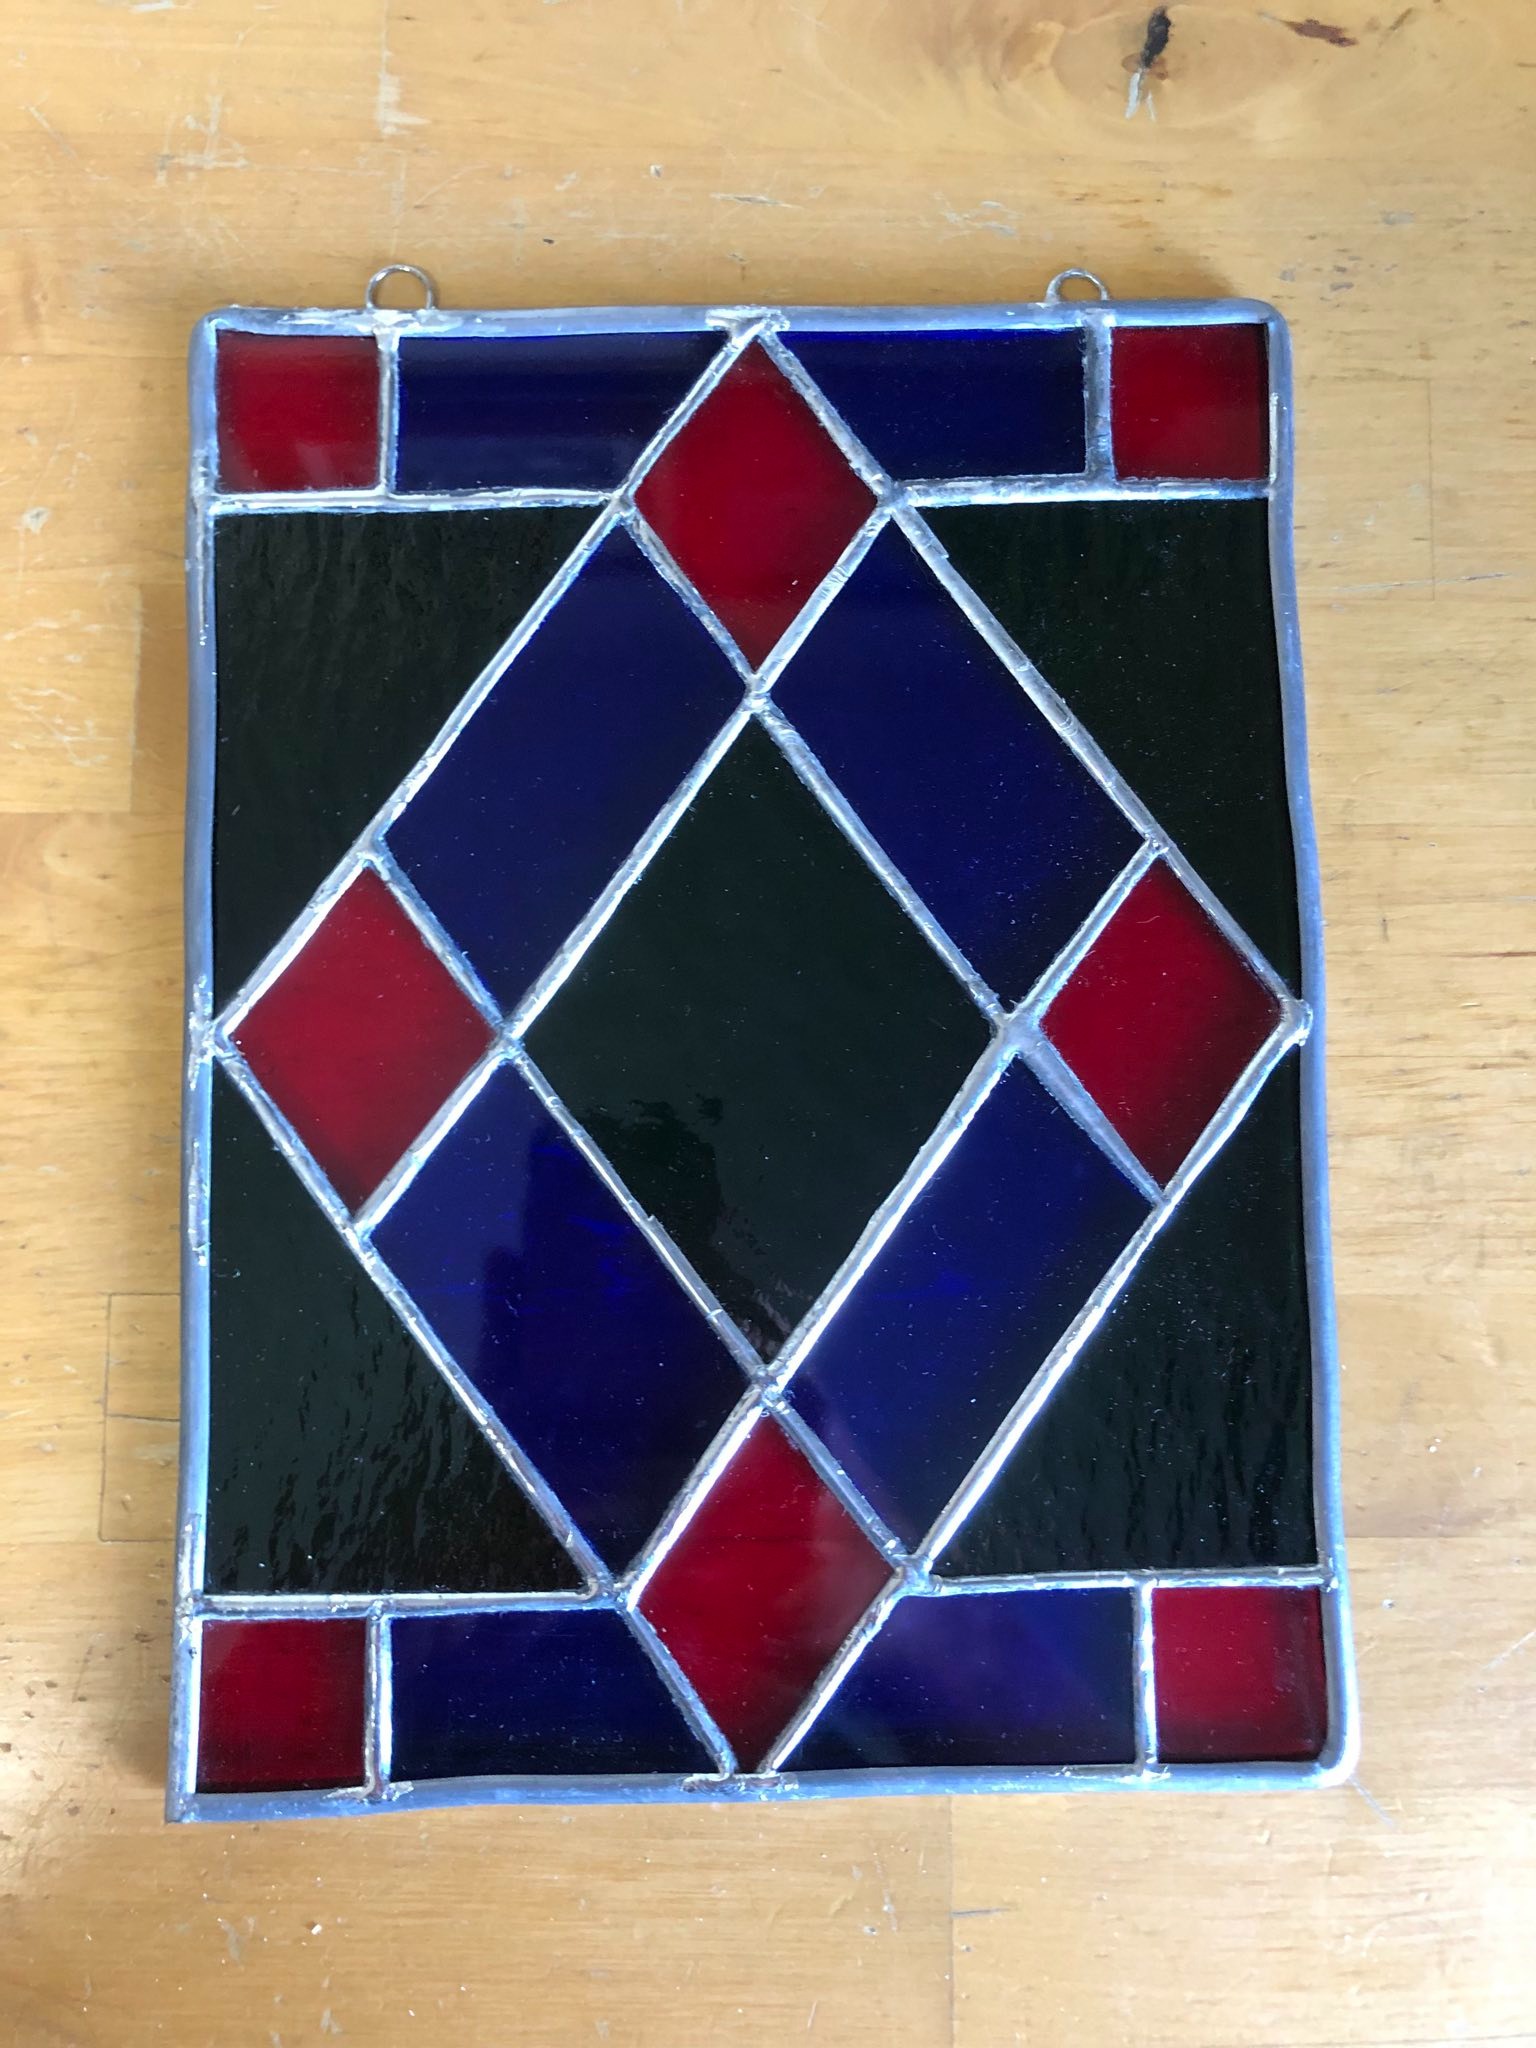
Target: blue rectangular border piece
1096	322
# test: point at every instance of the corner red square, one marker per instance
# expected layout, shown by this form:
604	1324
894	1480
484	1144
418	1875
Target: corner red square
1191	402
1240	1673
297	412
281	1705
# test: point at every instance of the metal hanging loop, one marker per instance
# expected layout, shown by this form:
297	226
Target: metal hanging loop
1055	295
422	277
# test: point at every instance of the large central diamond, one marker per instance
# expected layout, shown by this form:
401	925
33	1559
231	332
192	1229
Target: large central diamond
759	1040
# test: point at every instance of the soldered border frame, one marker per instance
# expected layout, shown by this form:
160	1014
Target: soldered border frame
1097	321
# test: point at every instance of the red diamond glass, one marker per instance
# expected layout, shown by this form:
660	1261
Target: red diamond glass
362	1037
760	1589
754	502
1159	1019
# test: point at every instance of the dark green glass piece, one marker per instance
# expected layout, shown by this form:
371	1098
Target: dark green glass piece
760	1040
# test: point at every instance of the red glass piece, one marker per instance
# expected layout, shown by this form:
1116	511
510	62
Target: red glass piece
1159	1018
754	501
362	1037
1240	1673
298	412
761	1587
1190	401
281	1705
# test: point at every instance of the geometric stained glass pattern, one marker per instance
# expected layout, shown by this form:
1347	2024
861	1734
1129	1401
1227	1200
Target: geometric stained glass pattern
754	1124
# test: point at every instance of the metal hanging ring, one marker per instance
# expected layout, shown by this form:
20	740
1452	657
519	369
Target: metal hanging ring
371	295
1056	296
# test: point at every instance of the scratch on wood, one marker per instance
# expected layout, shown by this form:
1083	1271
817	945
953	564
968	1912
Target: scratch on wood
990	216
389	115
1374	1804
213	153
1504	1655
49	130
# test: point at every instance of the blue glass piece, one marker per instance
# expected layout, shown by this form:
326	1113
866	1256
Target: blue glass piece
961	402
563	1693
992	819
564	765
567	1322
566	411
978	1281
987	1679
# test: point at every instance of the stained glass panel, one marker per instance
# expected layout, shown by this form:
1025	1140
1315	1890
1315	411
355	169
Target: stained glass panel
754	1128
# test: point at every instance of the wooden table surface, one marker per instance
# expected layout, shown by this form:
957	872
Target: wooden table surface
1372	173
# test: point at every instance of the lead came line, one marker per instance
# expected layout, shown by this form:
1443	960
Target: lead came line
1146	1679
830	1469
679	1685
661	559
1145	1576
1064	1088
389	405
333	1606
379	500
690	1496
1100	473
377	1717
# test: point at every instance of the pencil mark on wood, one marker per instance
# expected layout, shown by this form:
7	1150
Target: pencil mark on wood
1324	31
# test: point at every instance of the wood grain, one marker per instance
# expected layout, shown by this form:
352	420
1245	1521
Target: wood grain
1372	170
